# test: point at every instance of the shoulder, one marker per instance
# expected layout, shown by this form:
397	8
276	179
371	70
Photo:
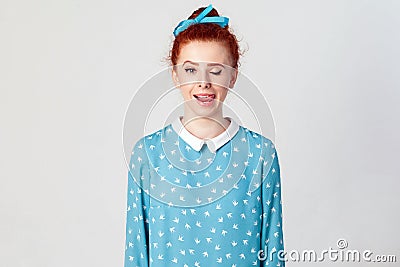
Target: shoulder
149	141
268	153
259	140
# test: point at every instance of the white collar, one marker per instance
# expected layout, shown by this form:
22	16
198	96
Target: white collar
213	143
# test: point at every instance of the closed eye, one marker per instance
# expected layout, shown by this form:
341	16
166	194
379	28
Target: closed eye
217	72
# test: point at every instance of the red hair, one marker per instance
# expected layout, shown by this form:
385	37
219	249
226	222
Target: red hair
206	32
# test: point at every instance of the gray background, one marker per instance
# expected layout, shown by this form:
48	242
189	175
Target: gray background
68	70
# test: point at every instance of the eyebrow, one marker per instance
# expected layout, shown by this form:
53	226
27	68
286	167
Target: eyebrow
209	64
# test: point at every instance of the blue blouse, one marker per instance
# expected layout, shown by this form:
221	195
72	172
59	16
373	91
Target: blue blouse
195	202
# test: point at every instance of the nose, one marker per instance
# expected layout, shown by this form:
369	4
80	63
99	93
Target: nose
204	81
204	84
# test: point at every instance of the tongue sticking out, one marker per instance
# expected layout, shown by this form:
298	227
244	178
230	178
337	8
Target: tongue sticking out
205	98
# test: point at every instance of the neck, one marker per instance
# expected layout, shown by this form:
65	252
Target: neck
204	127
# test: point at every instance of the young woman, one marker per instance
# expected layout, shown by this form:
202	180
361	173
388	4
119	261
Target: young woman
204	190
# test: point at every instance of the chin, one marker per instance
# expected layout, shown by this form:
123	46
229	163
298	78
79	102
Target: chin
204	111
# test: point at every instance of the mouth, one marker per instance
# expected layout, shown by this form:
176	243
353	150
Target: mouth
205	99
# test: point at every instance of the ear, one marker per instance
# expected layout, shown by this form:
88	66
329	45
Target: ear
175	77
233	78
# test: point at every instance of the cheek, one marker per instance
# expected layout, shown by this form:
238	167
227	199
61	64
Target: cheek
186	91
222	93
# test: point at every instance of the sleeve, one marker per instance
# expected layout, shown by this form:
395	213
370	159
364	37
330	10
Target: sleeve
272	231
136	241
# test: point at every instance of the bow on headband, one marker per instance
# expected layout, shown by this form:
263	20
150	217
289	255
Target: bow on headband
201	18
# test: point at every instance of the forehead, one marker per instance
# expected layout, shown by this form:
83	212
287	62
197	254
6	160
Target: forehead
199	51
